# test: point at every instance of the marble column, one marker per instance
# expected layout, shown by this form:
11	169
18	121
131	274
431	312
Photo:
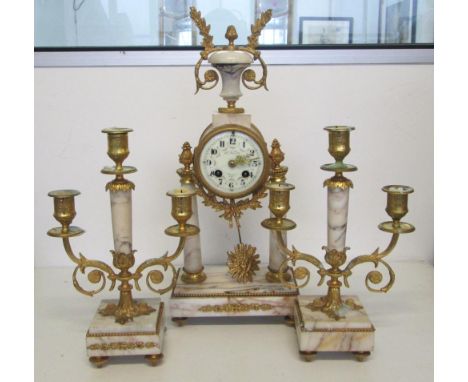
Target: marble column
121	208
192	250
337	218
276	256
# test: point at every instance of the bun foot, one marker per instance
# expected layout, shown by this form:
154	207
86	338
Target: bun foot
361	356
289	321
179	321
308	356
98	361
154	359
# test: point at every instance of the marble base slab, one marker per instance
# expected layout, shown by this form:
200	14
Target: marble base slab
221	296
142	336
316	332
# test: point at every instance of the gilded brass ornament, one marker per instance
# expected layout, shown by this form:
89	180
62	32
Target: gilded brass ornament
231	108
64	212
331	306
235	308
232	210
243	262
339	148
98	361
338	181
361	356
231	35
211	77
279	206
126	313
257	27
274	277
186	157
193	278
154	359
278	172
200	22
121	345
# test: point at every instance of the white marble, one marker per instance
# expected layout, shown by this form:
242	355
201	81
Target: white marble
230	57
121	208
220	296
320	333
337	219
230	77
142	336
192	250
215	348
276	257
220	119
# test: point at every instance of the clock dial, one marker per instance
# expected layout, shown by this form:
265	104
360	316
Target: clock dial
232	163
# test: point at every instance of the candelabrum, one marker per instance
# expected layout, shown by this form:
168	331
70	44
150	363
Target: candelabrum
333	305
123	255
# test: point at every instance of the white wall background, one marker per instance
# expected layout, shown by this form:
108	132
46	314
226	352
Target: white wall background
390	105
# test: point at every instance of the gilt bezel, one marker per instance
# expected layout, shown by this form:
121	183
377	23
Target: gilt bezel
205	138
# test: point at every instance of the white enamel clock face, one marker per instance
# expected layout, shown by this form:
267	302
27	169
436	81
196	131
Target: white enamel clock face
232	163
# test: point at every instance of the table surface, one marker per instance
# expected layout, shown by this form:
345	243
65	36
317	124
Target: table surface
242	349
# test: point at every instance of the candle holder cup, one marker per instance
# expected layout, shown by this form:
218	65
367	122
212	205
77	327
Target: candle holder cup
64	213
182	212
279	206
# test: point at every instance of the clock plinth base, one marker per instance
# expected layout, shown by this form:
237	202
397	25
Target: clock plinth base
141	337
221	296
316	332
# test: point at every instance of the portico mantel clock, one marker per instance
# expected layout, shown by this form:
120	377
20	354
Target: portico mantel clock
229	169
232	170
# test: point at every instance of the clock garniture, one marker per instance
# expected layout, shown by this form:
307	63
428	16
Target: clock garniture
230	169
126	326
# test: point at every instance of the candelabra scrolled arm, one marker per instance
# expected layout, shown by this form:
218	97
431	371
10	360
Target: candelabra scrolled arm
96	276
375	276
300	273
249	75
210	76
156	276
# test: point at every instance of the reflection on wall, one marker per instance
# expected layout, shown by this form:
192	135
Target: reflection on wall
70	23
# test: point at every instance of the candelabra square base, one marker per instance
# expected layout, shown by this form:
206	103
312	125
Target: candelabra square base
316	332
142	336
221	296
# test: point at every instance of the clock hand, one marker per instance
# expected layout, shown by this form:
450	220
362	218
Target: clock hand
241	160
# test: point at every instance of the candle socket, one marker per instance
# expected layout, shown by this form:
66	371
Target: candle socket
339	148
279	199
181	211
117	144
279	206
397	200
64	212
397	208
338	141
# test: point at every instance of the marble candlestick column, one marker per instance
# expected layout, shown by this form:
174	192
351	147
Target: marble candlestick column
121	209
337	219
192	250
276	257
